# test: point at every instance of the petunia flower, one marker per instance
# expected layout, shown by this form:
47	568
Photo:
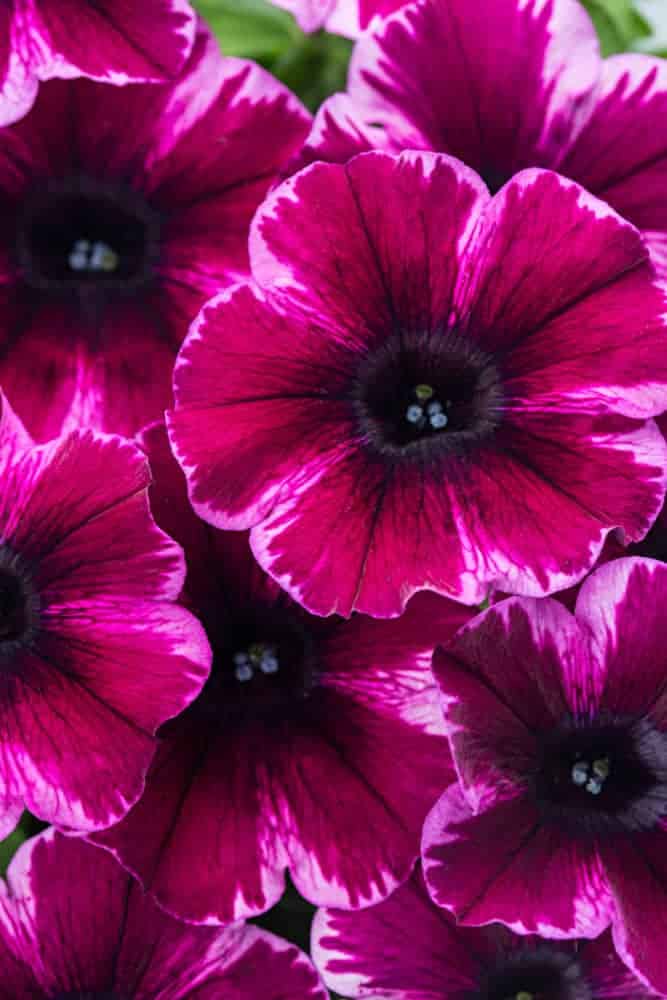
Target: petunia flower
124	210
94	653
407	948
558	727
432	389
74	924
315	747
433	76
116	41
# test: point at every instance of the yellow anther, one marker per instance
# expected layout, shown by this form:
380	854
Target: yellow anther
423	392
108	260
601	768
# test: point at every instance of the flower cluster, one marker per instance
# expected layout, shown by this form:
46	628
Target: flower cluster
333	534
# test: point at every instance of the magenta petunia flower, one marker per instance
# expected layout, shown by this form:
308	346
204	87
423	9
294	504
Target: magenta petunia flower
115	41
343	17
124	210
558	726
433	76
94	654
316	745
74	924
430	384
407	948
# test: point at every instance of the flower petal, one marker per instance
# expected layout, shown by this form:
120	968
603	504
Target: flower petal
79	513
355	243
14	439
206	799
616	476
339	132
39	367
268	967
257	121
353	811
114	41
609	977
78	719
619	155
546	246
110	936
111	660
18	85
243	429
503	865
404	947
375	565
621	607
435	75
637	876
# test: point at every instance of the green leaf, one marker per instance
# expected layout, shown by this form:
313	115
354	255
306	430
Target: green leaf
313	66
252	29
291	918
28	826
618	24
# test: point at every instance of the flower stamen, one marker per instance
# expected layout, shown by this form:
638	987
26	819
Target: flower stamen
427	412
258	656
591	776
96	256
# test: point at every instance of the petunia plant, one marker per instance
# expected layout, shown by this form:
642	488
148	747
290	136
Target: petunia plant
333	535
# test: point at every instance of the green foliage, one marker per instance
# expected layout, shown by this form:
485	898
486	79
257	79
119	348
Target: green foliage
313	66
28	826
618	23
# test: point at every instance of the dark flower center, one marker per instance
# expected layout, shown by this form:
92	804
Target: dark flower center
542	973
429	392
89	996
603	778
19	605
81	235
263	665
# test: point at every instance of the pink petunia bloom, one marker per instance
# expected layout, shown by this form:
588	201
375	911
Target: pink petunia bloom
432	389
434	77
558	727
115	41
343	17
94	653
124	210
407	948
74	924
316	745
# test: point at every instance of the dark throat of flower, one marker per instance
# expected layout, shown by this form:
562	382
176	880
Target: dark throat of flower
601	778
92	995
19	604
86	240
264	664
546	972
428	394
